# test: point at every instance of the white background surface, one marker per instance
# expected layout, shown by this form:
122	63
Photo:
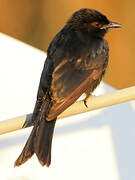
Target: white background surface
99	145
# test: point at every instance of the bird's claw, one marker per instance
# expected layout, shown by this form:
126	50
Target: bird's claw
85	103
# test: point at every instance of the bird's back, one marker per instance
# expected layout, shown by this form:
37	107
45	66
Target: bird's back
73	68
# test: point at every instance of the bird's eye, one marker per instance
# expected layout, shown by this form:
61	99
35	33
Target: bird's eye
97	24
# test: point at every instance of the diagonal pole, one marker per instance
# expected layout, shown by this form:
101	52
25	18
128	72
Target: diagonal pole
93	102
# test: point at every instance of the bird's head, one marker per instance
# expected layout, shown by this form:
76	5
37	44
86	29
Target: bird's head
92	22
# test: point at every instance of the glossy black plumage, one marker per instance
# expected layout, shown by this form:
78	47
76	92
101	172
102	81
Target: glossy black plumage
76	62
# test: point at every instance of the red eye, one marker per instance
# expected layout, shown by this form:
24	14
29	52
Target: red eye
97	24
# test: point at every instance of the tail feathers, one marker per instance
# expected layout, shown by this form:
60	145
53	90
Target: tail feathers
39	142
43	142
28	150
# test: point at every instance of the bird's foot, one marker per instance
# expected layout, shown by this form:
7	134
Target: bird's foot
85	103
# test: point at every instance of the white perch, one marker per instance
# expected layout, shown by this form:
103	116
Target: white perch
94	102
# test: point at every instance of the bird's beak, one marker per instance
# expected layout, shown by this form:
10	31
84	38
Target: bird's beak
111	25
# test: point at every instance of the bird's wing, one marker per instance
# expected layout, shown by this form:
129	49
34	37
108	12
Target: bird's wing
43	88
71	78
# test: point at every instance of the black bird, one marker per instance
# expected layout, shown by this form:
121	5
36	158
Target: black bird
76	61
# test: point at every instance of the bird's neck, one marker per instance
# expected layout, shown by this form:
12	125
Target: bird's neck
88	37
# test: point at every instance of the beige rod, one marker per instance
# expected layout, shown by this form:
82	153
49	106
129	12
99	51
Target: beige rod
94	102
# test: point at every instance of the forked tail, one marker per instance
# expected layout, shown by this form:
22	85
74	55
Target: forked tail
39	141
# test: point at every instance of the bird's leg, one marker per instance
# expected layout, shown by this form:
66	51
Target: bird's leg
85	100
85	103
